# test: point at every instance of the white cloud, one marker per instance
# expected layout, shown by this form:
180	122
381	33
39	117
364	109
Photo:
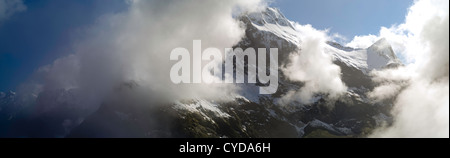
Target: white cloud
338	38
422	107
135	46
362	41
10	7
314	67
385	91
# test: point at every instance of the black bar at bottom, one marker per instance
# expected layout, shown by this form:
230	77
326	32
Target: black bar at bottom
231	147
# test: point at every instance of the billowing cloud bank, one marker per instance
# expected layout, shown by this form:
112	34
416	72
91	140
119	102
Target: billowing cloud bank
134	46
421	89
312	66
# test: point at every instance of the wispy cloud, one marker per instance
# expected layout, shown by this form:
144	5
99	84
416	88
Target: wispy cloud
10	7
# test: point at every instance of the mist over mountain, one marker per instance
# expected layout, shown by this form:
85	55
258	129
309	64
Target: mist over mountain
325	88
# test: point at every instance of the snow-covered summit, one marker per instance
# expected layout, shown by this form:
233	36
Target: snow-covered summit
271	20
269	16
272	28
378	56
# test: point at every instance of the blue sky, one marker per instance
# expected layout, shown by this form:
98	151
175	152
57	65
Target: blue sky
43	33
46	30
346	17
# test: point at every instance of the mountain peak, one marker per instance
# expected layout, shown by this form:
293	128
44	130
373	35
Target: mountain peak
381	54
383	48
269	16
381	41
271	24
